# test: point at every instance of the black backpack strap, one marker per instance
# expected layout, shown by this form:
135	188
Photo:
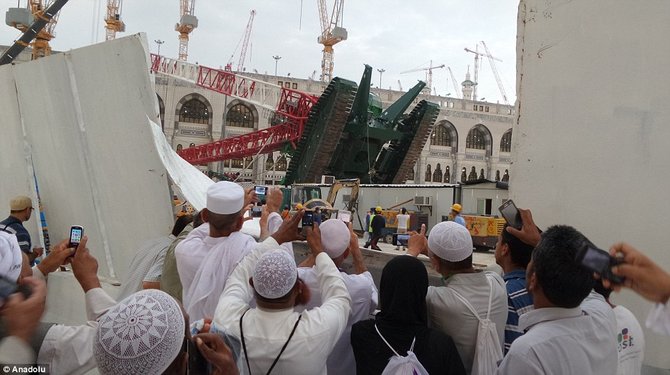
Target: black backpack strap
244	346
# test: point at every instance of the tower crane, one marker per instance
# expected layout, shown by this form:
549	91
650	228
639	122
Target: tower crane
457	91
477	66
495	73
245	41
113	22
429	72
187	22
332	33
36	10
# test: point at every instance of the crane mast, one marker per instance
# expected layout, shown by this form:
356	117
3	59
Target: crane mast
477	66
245	42
501	87
113	23
457	92
332	33
429	73
187	22
22	18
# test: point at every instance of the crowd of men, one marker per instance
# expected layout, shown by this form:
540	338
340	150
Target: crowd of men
208	298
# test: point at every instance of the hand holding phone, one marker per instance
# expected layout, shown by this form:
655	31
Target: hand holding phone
261	193
511	214
599	261
76	234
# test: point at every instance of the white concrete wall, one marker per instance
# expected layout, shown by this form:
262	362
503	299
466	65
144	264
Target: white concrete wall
591	143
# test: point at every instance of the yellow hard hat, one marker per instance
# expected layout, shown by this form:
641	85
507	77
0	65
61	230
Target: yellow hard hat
298	206
456	207
378	209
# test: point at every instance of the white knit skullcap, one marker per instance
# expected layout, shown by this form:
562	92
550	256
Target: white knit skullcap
10	256
225	198
450	241
142	334
334	237
275	274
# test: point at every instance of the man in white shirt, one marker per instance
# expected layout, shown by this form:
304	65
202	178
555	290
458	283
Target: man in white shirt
210	252
338	242
403	223
274	336
449	247
571	329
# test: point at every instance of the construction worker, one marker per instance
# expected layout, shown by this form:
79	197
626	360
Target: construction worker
368	226
377	224
455	214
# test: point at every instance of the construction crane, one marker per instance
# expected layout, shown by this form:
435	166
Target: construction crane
399	85
429	74
113	22
332	33
187	22
22	18
477	66
495	73
457	91
245	41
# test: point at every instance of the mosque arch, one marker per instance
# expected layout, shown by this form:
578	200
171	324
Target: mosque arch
506	141
444	134
241	115
479	138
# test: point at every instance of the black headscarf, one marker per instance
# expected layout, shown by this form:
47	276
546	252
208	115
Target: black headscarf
402	292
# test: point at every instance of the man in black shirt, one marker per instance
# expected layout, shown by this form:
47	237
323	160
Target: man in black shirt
21	208
378	224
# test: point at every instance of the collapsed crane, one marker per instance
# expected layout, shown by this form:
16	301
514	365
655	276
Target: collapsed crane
332	33
113	23
187	23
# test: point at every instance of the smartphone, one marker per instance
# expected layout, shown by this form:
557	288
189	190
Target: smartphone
76	234
344	215
197	364
401	239
308	219
257	210
261	193
511	214
599	261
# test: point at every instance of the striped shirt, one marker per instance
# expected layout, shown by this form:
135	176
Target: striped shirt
14	226
519	302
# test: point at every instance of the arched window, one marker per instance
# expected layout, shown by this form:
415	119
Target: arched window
476	139
497	175
428	173
179	147
506	142
161	111
437	175
447	174
237	163
269	162
240	116
473	174
481	174
505	177
280	165
464	176
411	176
440	136
194	111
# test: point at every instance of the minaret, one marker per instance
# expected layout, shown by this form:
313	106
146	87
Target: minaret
468	86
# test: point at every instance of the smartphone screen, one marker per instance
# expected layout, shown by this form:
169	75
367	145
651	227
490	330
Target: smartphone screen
256	211
76	233
511	214
344	216
261	192
599	261
308	219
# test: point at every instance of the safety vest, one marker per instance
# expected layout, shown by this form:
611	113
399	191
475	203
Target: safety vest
370	225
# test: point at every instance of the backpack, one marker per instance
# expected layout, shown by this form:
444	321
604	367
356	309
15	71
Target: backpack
488	352
399	365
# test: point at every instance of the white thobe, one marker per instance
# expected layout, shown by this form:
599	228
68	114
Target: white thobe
565	341
364	300
69	349
202	295
190	252
448	314
266	331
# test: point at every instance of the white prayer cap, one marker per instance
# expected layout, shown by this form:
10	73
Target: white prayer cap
275	274
334	237
10	256
142	334
450	241
225	198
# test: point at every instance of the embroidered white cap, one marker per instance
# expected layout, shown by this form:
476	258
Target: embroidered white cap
450	241
142	334
10	256
225	198
275	274
334	237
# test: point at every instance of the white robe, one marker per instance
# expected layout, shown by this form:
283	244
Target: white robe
190	252
266	331
202	292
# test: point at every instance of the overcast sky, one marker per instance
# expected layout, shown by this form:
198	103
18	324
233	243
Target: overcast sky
394	35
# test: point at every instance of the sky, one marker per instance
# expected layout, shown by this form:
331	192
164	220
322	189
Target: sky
393	35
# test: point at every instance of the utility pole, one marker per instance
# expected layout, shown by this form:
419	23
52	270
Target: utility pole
276	57
381	71
159	42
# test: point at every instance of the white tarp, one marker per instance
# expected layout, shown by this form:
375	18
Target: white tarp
82	118
591	144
